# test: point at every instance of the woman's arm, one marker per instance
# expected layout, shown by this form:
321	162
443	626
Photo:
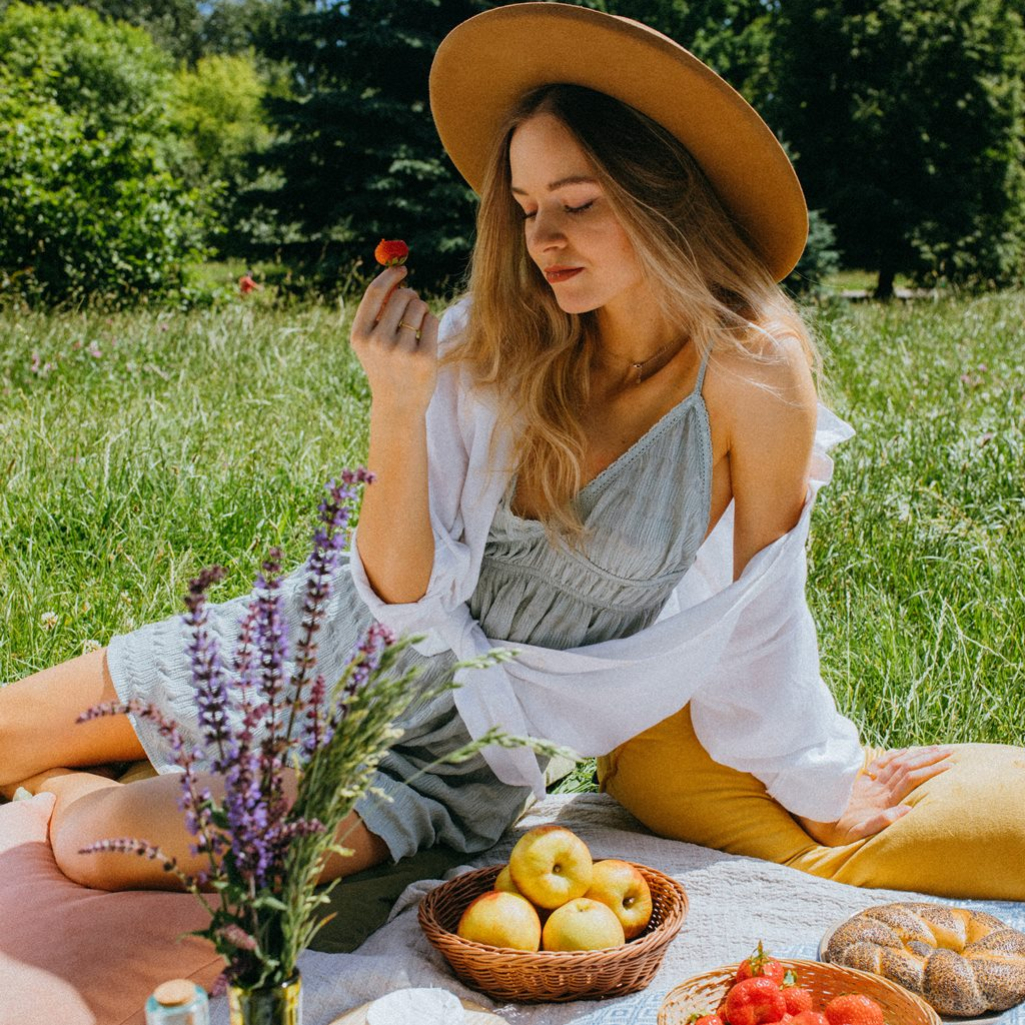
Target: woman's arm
772	413
771	432
395	540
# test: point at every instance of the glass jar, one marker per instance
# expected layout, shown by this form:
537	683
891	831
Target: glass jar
178	1002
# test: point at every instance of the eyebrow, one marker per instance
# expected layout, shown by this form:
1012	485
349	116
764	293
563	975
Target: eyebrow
576	179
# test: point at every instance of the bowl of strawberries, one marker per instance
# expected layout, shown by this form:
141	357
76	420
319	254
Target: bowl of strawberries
763	990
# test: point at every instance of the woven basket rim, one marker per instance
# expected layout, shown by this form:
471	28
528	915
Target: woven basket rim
661	934
878	983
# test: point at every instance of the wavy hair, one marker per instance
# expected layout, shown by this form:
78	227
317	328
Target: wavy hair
705	274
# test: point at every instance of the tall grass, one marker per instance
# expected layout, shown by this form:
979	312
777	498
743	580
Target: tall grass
164	442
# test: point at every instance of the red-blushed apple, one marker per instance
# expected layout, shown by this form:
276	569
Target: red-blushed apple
582	924
501	920
624	889
550	865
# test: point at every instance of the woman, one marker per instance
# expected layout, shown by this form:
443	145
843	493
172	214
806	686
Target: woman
627	386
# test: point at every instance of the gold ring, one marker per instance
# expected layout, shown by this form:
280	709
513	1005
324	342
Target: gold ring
415	330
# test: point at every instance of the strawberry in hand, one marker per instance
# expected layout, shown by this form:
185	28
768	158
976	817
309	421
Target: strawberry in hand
391	252
759	964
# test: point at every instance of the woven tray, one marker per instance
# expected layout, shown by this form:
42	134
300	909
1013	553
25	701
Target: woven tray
550	976
702	993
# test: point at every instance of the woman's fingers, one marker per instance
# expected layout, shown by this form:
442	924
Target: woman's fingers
901	772
374	298
876	823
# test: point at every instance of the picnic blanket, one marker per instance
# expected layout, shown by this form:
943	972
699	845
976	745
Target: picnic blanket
734	903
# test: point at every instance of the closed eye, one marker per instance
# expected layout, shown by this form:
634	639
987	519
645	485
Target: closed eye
567	209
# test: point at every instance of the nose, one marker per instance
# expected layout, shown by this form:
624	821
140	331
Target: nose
545	232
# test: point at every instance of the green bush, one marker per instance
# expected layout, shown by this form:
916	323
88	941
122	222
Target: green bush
89	204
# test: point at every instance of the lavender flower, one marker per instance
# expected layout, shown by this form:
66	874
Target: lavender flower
263	857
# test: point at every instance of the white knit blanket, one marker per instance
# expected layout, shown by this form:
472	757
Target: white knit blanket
734	903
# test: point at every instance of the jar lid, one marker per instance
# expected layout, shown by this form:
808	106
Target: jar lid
175	992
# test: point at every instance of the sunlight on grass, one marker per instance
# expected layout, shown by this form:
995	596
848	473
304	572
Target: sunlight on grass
140	447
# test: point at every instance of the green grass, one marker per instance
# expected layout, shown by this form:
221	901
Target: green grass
207	437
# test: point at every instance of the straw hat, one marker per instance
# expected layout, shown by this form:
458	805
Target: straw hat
485	65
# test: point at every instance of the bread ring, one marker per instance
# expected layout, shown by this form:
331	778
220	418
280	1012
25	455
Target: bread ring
962	962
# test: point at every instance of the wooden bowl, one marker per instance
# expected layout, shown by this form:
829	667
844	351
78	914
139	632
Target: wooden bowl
702	993
550	976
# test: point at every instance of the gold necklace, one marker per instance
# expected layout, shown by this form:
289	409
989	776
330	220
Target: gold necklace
640	366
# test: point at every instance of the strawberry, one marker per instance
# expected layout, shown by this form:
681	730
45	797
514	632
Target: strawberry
760	964
797	999
704	1019
853	1009
755	1001
390	253
809	1018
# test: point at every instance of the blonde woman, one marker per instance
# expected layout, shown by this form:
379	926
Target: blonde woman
604	457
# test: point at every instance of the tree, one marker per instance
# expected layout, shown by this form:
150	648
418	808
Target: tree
908	120
88	205
357	156
173	24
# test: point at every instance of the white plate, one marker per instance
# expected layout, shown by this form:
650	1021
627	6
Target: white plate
475	1015
988	1019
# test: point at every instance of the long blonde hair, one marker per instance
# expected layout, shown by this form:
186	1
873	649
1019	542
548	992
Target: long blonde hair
705	275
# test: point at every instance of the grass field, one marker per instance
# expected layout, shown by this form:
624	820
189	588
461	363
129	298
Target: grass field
138	448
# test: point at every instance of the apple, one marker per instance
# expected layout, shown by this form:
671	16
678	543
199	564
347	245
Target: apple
501	920
623	888
582	924
550	865
504	882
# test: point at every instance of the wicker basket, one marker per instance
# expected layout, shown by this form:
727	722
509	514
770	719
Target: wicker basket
549	976
702	993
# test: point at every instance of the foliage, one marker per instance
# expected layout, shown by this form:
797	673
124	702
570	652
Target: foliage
88	204
908	119
358	158
171	23
819	260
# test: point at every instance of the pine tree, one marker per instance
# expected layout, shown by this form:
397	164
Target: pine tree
359	158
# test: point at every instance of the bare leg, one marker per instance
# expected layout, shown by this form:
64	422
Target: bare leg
37	721
91	808
40	747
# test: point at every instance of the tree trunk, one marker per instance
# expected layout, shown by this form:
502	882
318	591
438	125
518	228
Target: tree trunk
884	286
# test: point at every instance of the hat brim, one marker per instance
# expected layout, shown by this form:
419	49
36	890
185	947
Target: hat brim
485	65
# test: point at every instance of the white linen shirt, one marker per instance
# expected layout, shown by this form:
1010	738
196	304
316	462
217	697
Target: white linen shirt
744	653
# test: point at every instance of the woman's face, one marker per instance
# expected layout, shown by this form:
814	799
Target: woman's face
571	232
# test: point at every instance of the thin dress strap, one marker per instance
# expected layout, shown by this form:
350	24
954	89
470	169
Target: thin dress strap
701	371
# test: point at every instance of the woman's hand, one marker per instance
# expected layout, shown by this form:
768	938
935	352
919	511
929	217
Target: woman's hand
395	338
878	792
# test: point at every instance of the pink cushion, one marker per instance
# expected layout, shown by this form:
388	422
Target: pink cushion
70	955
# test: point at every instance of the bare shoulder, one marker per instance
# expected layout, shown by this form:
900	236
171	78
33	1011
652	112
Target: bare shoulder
765	392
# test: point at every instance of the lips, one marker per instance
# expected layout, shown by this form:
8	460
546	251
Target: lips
557	274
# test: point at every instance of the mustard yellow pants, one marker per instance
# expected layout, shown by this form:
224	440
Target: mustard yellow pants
964	838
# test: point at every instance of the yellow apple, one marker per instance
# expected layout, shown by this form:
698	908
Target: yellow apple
624	889
550	865
501	920
582	924
505	883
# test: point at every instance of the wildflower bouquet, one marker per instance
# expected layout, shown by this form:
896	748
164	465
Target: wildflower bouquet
264	854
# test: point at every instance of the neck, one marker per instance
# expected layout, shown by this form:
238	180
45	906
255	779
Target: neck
636	347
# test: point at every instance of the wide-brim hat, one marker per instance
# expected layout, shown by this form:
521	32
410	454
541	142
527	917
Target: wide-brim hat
485	65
